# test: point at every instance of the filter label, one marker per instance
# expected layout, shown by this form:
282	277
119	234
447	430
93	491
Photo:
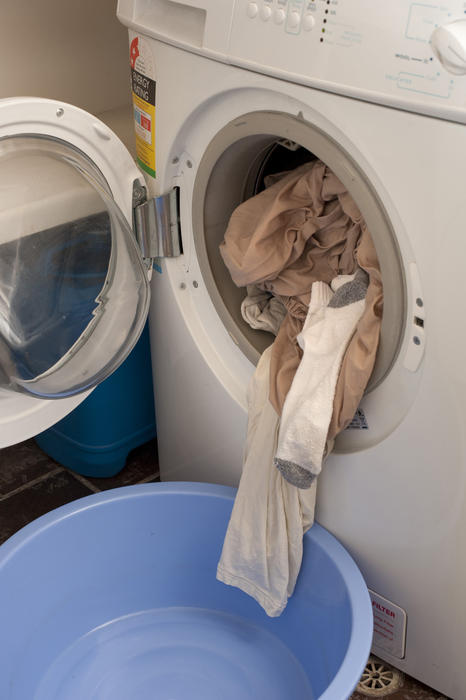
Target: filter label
389	626
143	88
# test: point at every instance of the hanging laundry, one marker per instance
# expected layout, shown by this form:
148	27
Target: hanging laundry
263	548
288	244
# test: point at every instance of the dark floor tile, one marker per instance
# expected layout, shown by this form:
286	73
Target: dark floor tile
21	464
23	506
142	465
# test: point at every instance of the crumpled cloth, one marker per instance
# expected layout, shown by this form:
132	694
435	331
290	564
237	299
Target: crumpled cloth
306	228
263	546
262	310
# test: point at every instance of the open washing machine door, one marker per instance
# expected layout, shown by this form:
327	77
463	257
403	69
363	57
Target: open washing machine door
74	287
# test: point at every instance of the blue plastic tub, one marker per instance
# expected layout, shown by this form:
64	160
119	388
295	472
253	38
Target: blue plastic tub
96	438
114	597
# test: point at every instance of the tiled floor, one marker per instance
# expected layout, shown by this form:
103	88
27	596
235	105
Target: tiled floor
31	484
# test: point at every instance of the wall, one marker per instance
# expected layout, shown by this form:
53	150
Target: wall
71	51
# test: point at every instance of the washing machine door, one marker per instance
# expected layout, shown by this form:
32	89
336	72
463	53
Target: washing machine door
74	289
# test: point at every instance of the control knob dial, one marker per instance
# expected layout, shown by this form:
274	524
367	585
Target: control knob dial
449	45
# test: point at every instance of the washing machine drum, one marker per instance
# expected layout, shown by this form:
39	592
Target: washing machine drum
73	288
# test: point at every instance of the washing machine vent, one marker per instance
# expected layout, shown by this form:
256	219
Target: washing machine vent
379	680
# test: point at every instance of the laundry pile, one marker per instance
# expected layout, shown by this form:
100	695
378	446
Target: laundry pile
302	249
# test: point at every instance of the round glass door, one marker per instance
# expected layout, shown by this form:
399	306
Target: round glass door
74	291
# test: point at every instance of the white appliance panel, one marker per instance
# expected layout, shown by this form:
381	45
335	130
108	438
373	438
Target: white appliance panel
328	44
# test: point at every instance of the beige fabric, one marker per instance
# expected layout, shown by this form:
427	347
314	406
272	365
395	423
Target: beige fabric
263	545
302	229
359	358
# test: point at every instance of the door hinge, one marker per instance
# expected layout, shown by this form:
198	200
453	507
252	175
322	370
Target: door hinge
157	224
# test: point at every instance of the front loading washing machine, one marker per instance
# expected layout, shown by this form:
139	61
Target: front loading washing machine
244	89
249	88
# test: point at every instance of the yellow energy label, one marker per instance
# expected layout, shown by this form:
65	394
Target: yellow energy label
144	93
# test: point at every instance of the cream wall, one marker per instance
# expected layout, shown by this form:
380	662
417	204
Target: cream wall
72	51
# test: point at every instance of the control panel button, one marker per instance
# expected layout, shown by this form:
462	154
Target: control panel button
280	16
294	19
308	22
252	10
266	12
449	45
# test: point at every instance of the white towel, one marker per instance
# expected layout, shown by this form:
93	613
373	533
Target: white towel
329	326
263	548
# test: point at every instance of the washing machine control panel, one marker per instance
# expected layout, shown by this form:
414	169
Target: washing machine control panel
408	54
293	15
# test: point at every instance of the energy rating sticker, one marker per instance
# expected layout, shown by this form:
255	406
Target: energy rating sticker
143	92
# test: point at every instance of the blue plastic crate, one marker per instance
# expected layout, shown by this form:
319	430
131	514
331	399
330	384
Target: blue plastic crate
96	438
